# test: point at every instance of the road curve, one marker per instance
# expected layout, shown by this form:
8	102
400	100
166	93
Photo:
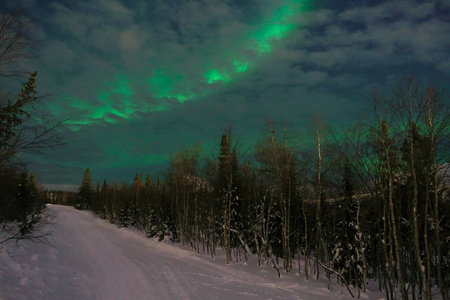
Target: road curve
97	260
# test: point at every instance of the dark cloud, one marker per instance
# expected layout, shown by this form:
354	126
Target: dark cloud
131	76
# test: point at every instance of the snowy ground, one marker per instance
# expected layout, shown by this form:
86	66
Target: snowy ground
92	259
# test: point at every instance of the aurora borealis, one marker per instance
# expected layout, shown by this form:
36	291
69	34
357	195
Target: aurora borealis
169	83
138	80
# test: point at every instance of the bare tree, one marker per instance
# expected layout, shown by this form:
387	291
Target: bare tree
22	128
322	252
185	182
278	162
14	42
411	124
437	123
387	157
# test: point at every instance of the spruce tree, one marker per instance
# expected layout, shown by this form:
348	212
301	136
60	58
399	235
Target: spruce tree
347	251
86	191
105	210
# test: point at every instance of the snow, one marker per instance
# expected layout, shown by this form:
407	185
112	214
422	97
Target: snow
91	259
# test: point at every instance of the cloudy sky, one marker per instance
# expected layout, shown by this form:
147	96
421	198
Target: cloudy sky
138	80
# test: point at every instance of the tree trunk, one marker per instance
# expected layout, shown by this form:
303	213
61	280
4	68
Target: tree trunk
394	223
431	109
227	224
321	247
306	246
415	200
361	244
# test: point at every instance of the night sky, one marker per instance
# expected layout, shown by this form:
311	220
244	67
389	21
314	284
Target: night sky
139	80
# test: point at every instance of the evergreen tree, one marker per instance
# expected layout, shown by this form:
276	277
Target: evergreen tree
347	251
23	197
105	207
86	191
27	204
137	201
145	205
20	131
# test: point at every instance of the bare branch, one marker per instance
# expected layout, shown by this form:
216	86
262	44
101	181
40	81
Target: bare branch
39	234
14	40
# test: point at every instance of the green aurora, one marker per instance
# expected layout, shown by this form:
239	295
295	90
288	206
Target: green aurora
140	80
166	87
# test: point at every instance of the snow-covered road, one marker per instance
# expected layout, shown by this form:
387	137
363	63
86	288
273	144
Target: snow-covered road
92	259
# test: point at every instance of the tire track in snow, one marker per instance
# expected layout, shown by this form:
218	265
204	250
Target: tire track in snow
154	266
101	269
111	263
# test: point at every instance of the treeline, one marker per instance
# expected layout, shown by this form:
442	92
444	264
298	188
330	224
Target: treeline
368	202
62	197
